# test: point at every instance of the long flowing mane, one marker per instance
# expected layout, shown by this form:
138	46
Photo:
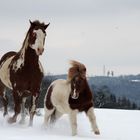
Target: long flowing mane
76	68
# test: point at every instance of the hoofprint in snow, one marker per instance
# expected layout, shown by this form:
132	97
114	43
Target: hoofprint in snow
113	125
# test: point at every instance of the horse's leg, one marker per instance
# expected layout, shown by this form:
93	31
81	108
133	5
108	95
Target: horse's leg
23	111
47	115
34	101
4	97
73	121
92	119
5	103
57	115
17	107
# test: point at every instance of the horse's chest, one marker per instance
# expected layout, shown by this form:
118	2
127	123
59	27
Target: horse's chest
83	103
26	78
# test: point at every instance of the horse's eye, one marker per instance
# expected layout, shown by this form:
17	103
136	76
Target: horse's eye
84	69
33	34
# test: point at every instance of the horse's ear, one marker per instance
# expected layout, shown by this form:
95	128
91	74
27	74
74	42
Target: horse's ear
30	21
45	26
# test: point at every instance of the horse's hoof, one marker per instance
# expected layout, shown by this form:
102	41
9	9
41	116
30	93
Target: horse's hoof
4	114
74	134
22	122
30	124
11	120
97	132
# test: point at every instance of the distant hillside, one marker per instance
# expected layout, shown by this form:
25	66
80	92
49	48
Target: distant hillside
128	86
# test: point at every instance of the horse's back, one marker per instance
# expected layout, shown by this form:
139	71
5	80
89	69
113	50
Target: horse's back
61	87
6	56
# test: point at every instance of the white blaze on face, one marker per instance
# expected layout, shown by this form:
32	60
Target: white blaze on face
39	42
74	96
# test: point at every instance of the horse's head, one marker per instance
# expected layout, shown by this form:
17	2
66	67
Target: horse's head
37	36
78	84
77	76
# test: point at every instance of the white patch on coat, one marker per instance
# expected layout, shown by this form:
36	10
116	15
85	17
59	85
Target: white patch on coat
39	42
33	104
18	64
60	95
5	73
4	95
74	96
14	84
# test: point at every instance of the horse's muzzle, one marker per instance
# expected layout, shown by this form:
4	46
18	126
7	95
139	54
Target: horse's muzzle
40	51
75	95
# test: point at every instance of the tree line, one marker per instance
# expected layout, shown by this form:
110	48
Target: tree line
102	97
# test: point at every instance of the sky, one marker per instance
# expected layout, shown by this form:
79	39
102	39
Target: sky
98	33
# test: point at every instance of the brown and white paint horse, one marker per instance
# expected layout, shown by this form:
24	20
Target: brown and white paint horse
70	96
22	72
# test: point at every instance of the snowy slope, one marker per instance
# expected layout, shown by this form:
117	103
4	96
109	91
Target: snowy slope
113	125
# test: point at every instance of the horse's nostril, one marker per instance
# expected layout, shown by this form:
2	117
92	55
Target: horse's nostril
40	50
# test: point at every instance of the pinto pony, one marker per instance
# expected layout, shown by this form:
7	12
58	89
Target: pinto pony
22	72
70	96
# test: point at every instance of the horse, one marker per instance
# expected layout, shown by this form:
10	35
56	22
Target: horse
22	72
70	96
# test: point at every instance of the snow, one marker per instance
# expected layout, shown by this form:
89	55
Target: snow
113	125
135	80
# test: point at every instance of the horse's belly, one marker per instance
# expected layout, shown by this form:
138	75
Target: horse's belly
5	73
63	108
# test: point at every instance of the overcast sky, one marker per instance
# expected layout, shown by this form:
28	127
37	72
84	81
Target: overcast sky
94	32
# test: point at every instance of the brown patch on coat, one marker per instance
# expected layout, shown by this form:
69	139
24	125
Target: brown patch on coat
85	99
48	102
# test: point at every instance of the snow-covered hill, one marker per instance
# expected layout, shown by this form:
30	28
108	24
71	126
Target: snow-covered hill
113	125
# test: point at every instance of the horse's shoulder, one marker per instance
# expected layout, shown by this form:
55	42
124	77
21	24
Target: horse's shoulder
7	55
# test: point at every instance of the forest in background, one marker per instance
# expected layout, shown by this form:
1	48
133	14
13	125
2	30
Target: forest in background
121	92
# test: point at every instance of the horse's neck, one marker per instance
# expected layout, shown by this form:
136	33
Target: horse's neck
28	55
31	59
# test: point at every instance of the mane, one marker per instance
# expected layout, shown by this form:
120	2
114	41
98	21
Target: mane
38	23
76	68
